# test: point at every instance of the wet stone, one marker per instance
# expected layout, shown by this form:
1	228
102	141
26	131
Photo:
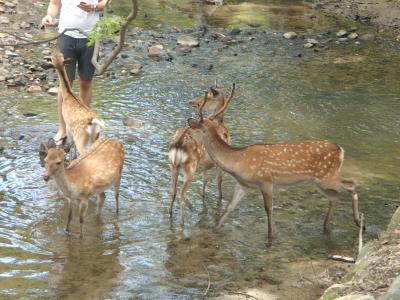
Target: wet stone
136	68
53	91
34	89
341	33
367	37
353	35
188	41
4	20
290	35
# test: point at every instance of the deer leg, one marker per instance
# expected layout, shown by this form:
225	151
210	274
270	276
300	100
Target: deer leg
83	205
116	191
333	197
238	194
174	180
205	180
268	205
100	202
350	186
69	218
219	183
188	172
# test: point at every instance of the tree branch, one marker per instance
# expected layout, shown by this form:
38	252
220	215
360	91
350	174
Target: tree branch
101	68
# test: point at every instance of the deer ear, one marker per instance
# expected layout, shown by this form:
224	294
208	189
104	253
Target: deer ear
214	91
193	123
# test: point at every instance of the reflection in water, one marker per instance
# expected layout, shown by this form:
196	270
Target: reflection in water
91	265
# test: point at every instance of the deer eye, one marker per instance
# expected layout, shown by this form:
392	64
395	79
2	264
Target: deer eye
58	163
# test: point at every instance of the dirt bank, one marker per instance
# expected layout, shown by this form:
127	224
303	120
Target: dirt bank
382	13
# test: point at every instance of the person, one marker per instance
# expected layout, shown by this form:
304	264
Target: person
72	43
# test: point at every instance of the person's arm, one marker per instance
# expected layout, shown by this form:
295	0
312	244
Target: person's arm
52	12
93	7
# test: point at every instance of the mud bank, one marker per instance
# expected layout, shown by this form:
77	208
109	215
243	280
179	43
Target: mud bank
382	13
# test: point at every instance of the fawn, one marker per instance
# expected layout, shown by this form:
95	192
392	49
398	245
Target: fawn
187	151
262	166
82	124
90	174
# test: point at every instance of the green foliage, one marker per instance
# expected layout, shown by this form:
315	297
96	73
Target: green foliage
106	27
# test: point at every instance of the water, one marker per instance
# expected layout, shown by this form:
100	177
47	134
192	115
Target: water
347	94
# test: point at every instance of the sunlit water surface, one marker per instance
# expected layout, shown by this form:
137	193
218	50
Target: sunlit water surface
348	94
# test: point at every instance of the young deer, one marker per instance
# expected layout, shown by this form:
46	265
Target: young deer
82	124
187	151
90	174
264	165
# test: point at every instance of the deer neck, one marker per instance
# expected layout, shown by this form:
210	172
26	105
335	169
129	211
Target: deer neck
63	181
223	155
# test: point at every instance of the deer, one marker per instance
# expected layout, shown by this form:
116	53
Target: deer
98	169
187	152
82	123
263	166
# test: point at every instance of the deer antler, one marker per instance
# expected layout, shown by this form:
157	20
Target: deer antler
201	107
222	109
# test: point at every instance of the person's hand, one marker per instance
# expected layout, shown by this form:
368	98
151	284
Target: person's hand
48	21
87	7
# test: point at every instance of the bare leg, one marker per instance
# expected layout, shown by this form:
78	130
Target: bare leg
82	212
69	216
86	91
100	203
238	194
174	179
268	196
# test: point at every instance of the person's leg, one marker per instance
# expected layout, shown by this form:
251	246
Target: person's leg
86	70
85	91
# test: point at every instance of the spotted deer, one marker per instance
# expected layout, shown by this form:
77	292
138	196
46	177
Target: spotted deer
262	166
98	169
187	151
82	124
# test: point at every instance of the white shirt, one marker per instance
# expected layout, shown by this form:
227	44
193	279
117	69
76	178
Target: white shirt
71	16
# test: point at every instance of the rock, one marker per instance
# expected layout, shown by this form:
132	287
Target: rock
235	31
10	4
130	122
34	89
124	72
130	139
311	41
353	28
367	37
290	35
398	38
24	25
356	297
53	91
343	39
28	115
185	50
46	52
4	20
341	33
393	291
353	35
157	52
135	69
188	41
9	53
308	45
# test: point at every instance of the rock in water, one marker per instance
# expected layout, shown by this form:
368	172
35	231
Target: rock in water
188	41
290	35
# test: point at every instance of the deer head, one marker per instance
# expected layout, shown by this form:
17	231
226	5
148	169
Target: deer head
54	163
212	121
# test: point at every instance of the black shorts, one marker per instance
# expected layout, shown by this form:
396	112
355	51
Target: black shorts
78	52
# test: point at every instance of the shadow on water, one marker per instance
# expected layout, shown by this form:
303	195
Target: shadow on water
348	94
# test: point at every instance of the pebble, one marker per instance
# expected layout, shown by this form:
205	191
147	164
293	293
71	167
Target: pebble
188	41
341	33
353	35
367	37
135	69
53	90
290	35
34	89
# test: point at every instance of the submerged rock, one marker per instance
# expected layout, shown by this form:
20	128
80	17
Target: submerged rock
188	41
135	69
290	35
367	37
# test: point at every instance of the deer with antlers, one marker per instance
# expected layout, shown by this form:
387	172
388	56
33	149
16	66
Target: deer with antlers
187	151
82	124
262	166
90	174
